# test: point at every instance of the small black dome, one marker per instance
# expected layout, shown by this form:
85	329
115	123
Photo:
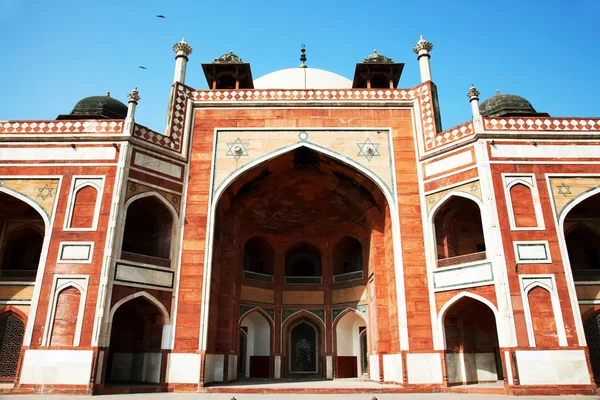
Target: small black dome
97	107
505	105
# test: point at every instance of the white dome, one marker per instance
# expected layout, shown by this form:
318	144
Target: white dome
302	78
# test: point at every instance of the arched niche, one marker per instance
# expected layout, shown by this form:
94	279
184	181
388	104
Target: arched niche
459	236
259	256
350	357
148	231
471	342
257	354
347	256
303	259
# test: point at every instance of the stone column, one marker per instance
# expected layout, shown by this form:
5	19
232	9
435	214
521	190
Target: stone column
422	49
133	97
473	95
182	51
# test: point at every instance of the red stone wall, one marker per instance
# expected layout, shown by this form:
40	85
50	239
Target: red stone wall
83	207
65	317
542	318
522	203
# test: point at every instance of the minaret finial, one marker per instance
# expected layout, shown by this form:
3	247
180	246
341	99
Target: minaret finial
497	92
108	94
303	56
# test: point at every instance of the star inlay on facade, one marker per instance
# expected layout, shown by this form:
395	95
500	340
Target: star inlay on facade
237	149
45	192
368	149
564	189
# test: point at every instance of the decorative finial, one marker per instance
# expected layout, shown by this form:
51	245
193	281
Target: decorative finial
134	96
374	51
473	93
422	46
182	48
108	94
497	92
303	56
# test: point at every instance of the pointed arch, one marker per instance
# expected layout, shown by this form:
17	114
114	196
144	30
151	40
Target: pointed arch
147	296
159	196
30	202
215	197
346	311
518	181
562	242
260	311
453	193
442	314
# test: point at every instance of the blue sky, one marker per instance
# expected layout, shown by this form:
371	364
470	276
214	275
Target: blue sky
57	52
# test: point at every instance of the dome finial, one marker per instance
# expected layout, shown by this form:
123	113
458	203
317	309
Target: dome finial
497	92
108	94
303	56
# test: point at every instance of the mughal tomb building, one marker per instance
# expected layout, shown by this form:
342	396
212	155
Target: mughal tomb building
300	225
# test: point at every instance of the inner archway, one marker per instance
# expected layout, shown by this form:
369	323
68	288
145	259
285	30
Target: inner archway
257	341
472	349
300	218
582	236
135	344
350	353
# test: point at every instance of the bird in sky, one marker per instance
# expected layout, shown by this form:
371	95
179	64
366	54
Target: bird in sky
160	16
142	67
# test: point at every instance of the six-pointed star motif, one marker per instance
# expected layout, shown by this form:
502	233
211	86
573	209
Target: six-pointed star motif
237	149
564	189
368	149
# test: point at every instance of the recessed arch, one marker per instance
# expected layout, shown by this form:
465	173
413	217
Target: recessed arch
442	314
374	182
31	203
147	296
518	181
150	234
259	343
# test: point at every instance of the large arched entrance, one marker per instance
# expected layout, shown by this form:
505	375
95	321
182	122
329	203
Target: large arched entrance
582	236
471	340
301	233
22	233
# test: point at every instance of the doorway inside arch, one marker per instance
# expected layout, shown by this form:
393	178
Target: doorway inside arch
351	340
255	346
135	356
472	350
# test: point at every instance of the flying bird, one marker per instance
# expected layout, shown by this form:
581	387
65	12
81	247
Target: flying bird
142	67
160	16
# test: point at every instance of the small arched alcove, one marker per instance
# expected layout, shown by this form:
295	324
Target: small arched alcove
257	353
148	232
347	260
303	264
259	259
458	232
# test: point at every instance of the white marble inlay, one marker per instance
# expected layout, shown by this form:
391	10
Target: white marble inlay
374	367
60	367
183	368
448	163
424	368
75	252
146	161
532	252
552	367
58	153
544	151
463	276
392	368
133	274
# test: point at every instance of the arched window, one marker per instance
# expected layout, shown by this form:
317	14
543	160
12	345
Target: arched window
22	249
12	330
258	256
459	232
303	260
347	256
84	207
148	232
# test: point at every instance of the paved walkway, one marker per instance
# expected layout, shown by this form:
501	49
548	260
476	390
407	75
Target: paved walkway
228	396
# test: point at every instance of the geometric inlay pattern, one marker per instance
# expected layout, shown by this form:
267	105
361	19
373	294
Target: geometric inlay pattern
368	149
237	149
12	330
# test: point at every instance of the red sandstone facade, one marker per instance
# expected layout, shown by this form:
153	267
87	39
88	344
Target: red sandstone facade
287	233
